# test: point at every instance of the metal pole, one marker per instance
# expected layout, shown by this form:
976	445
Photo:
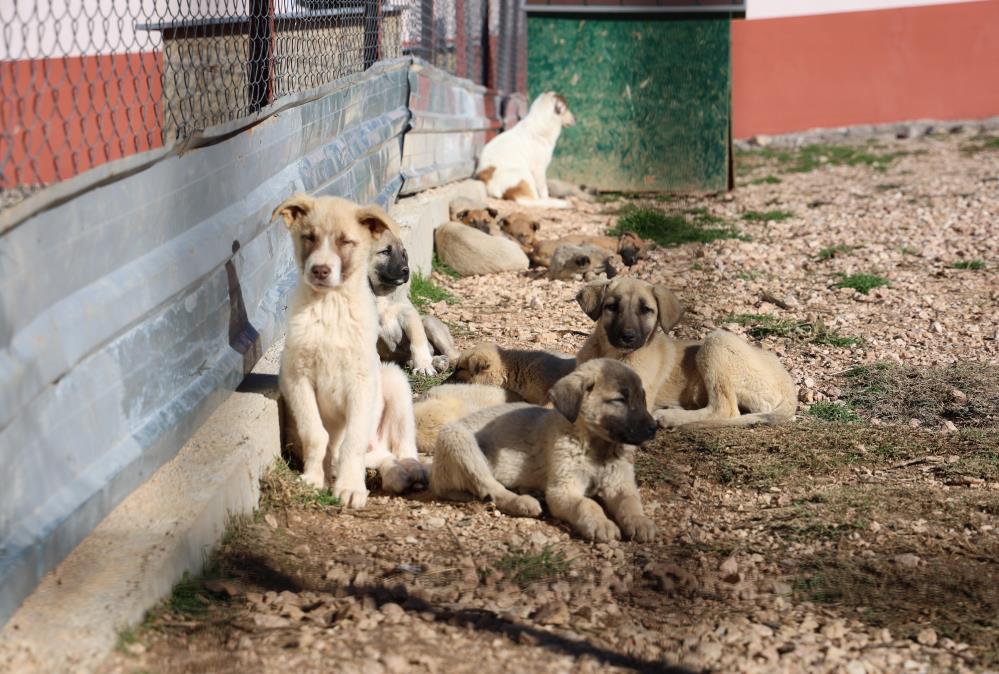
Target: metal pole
259	67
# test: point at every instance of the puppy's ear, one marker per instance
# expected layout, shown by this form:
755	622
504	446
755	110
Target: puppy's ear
536	226
492	212
461	215
568	392
376	220
477	363
591	298
294	209
669	307
503	223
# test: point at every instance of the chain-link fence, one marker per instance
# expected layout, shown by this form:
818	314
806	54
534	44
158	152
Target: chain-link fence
83	82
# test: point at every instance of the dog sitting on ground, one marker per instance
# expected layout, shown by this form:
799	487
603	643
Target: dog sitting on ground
514	164
403	336
581	449
529	374
629	246
471	252
720	381
350	411
521	228
583	262
449	402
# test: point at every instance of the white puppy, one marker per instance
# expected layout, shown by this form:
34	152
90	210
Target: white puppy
514	164
342	400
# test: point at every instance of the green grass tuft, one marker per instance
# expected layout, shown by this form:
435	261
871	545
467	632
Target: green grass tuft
968	264
988	143
526	568
766	180
766	216
829	252
694	225
765	325
421	383
827	411
423	292
862	283
443	268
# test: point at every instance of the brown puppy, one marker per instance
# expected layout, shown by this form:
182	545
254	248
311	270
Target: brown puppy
482	219
583	448
629	246
529	374
521	228
720	381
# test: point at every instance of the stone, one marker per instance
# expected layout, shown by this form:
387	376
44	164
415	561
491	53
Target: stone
927	637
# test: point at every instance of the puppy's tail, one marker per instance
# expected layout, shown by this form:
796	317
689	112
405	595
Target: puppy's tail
743	420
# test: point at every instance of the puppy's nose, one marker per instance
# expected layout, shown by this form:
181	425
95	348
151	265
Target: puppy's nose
627	335
405	272
320	271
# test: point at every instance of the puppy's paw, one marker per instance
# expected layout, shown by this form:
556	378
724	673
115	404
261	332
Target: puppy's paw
350	493
401	476
426	369
638	528
314	478
523	505
441	363
598	530
666	419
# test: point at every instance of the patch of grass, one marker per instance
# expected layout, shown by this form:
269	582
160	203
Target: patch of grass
811	157
766	216
674	228
766	180
827	411
443	268
766	325
749	275
984	144
524	568
423	292
421	383
126	637
829	252
897	393
862	283
282	487
189	597
968	264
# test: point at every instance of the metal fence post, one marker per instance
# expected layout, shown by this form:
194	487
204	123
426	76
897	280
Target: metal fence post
259	66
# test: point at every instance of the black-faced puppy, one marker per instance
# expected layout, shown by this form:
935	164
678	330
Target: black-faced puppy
720	381
403	336
529	374
583	262
583	448
350	412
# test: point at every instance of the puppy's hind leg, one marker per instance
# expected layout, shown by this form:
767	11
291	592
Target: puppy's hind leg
460	467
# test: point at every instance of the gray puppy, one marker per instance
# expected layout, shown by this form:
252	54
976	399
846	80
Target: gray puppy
581	449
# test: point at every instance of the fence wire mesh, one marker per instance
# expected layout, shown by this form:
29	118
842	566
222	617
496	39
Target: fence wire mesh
83	82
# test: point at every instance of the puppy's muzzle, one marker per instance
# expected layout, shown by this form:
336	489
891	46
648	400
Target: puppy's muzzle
320	272
394	279
626	339
641	432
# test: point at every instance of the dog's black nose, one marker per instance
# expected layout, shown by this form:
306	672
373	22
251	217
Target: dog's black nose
405	272
628	335
320	271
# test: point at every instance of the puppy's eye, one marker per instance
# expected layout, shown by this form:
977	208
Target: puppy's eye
645	310
617	401
610	307
346	243
385	251
309	237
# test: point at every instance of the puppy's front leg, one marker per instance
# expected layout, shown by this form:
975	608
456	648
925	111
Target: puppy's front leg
361	425
568	502
419	346
300	397
625	504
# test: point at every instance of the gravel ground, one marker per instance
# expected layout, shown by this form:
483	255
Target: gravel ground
863	545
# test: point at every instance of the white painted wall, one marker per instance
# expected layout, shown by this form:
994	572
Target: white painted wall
770	9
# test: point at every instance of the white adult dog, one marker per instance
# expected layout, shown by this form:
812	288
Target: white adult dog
514	164
350	411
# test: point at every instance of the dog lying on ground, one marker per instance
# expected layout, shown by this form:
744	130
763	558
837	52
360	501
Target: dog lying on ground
471	252
350	412
479	216
521	228
514	164
629	246
403	336
581	449
563	189
584	262
449	402
720	381
529	374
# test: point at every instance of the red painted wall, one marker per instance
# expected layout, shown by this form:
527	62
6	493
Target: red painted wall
66	115
936	62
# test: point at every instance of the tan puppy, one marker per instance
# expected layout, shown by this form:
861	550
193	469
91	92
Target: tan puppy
529	374
522	228
582	262
471	252
342	401
482	219
629	246
581	449
688	384
449	402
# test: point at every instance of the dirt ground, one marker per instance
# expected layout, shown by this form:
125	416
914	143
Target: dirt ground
862	538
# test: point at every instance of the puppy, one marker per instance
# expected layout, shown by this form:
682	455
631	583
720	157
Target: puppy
449	402
403	336
514	164
629	246
521	228
471	252
584	262
529	374
482	219
561	188
720	381
342	400
580	450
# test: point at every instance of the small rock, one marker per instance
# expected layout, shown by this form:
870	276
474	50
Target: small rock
856	667
223	587
908	560
762	140
927	637
729	570
436	522
135	649
948	427
915	423
301	550
710	651
835	629
874	527
268	621
957	394
392	611
271	521
552	613
395	664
